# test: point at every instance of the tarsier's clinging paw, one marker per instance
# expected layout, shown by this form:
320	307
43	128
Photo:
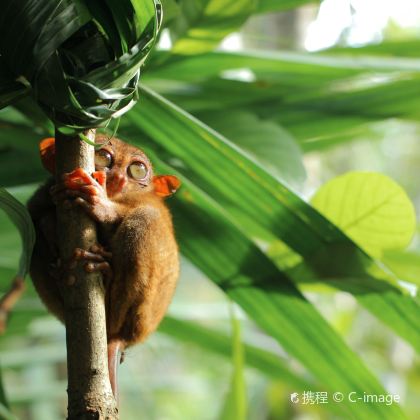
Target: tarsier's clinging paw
88	192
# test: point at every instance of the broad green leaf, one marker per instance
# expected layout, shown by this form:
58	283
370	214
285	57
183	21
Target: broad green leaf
270	364
370	208
313	129
302	69
226	256
202	24
265	141
267	211
235	406
328	94
20	217
286	66
322	100
283	83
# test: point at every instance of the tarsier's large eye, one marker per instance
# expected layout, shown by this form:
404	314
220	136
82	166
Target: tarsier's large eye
103	159
138	171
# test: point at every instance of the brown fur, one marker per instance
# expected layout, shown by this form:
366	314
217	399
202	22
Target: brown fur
135	225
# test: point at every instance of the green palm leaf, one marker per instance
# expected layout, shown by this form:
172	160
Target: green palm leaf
271	212
210	240
83	72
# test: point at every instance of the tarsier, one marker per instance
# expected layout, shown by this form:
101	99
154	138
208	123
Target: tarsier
137	252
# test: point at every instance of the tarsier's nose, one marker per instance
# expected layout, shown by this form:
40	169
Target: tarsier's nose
115	182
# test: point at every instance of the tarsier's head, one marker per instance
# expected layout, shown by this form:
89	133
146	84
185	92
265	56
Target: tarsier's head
127	168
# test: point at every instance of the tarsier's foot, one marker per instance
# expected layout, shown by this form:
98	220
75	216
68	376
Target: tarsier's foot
88	192
97	259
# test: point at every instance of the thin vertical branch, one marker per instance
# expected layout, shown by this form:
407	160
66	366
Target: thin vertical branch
89	391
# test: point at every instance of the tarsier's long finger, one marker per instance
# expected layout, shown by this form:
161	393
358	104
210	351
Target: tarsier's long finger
98	249
95	262
102	267
82	254
77	178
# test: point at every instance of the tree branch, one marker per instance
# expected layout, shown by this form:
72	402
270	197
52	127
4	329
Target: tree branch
89	390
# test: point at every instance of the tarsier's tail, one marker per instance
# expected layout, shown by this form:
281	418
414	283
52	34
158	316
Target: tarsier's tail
115	357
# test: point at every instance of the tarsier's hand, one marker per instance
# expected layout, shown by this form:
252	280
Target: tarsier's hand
88	192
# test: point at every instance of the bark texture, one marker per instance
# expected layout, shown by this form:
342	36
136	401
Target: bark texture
89	390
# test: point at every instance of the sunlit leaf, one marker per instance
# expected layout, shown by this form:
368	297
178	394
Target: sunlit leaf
371	208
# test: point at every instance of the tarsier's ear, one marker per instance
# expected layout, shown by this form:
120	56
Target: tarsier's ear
166	185
47	151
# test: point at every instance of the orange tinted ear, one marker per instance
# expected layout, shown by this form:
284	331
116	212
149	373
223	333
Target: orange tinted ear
47	151
166	185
